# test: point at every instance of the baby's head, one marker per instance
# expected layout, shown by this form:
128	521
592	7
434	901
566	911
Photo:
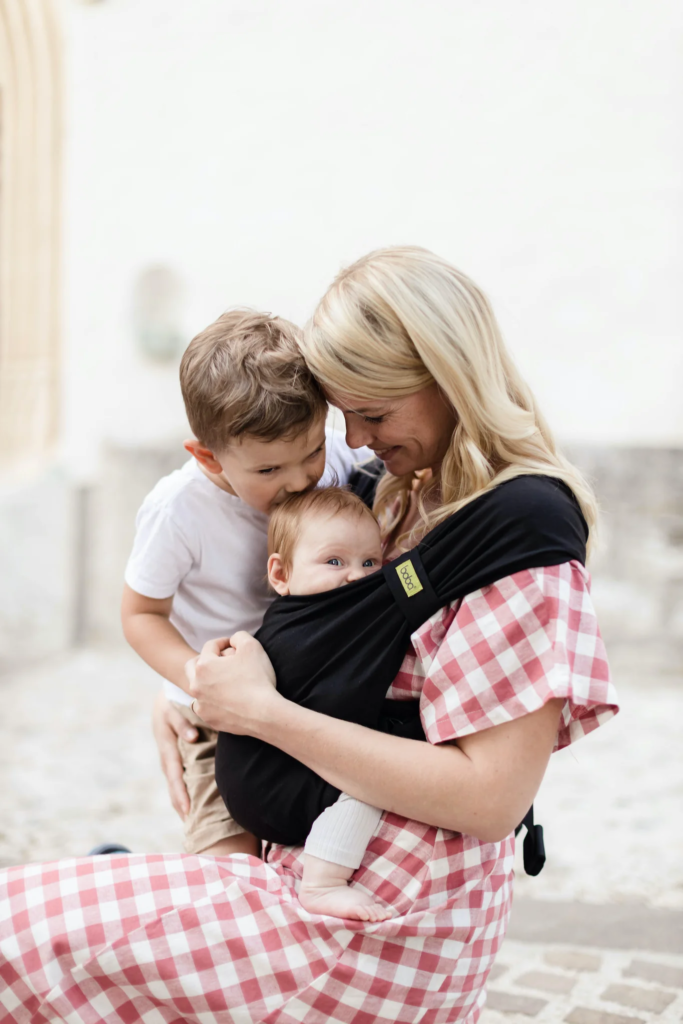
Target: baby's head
321	540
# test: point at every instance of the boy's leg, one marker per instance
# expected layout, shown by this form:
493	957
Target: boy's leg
334	850
209	828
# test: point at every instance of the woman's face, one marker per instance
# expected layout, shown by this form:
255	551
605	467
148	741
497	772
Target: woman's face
407	433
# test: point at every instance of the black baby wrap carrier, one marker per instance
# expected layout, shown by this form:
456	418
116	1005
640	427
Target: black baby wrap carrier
339	651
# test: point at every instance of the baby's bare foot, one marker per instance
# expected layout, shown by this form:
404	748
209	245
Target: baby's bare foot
341	901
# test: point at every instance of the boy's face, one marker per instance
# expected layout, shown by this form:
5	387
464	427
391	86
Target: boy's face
332	549
264	473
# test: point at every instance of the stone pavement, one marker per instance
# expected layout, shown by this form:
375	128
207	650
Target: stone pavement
597	938
583	985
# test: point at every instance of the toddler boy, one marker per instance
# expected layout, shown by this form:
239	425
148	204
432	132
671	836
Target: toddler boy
196	569
319	541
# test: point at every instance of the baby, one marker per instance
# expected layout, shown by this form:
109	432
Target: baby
317	541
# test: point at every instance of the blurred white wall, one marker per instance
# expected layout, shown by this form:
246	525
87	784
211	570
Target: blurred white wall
255	147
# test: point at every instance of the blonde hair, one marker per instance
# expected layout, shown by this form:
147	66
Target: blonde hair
245	375
402	318
284	528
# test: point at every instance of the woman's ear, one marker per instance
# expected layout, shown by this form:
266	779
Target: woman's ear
277	575
203	455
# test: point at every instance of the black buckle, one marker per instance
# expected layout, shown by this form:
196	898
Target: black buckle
534	846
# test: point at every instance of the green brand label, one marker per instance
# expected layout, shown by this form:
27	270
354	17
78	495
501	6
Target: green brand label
409	578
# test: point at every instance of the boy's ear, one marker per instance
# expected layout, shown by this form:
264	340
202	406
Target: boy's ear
277	576
203	455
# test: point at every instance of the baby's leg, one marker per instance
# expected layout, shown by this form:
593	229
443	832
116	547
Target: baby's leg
334	850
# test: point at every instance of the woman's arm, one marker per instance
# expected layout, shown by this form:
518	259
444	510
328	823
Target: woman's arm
482	786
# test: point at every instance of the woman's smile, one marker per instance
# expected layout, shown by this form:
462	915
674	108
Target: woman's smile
385	454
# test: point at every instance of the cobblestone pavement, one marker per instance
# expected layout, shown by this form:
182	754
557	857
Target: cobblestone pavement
597	938
583	985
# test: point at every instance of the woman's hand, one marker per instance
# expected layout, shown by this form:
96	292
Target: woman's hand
233	684
168	724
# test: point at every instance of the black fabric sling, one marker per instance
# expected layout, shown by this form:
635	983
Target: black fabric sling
338	652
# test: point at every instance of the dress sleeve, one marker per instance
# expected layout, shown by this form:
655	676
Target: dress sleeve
511	647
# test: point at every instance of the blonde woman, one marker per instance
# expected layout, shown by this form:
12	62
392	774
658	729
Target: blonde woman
408	348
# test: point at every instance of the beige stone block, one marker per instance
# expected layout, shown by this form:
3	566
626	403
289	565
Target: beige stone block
506	1002
558	984
573	960
654	1000
665	974
584	1015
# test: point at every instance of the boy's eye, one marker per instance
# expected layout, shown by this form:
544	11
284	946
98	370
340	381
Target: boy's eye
334	561
264	472
368	563
317	452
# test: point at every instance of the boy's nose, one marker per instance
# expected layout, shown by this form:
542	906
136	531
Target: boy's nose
301	481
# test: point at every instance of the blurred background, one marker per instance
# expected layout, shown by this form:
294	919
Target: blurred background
162	161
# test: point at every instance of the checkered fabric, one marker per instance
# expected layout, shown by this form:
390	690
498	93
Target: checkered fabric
176	938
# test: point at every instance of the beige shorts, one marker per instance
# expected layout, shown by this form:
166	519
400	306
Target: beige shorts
209	819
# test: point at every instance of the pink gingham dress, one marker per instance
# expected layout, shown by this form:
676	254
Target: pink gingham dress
176	938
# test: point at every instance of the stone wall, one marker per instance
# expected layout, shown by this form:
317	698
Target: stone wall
129	474
638	566
38	558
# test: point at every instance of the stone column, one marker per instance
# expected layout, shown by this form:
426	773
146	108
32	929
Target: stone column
30	199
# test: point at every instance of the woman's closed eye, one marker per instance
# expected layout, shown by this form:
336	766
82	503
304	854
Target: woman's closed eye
374	419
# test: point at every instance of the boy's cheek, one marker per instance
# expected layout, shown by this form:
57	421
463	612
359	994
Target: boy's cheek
258	497
320	468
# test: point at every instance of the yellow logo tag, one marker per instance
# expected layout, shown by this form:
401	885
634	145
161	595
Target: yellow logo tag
409	578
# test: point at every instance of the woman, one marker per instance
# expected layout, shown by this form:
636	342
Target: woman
504	677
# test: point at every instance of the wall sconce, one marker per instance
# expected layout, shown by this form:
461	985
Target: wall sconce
157	314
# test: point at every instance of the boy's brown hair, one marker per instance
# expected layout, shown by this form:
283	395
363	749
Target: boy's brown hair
245	375
284	527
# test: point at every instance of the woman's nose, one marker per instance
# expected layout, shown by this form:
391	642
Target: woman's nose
357	432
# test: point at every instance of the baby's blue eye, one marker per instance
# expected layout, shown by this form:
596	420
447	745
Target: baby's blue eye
333	561
368	563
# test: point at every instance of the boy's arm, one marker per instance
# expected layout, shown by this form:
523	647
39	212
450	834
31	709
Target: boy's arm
147	629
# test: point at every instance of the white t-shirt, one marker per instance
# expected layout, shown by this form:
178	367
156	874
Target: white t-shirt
209	550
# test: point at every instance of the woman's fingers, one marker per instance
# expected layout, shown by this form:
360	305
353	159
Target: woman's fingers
212	714
213	648
241	639
167	725
233	684
212	667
